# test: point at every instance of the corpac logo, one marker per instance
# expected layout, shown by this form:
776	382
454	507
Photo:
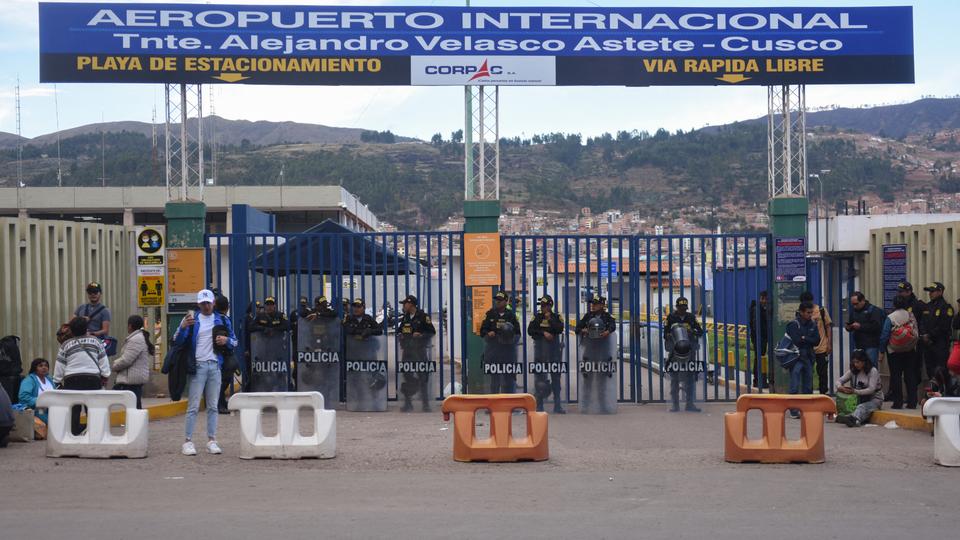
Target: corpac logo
475	72
502	70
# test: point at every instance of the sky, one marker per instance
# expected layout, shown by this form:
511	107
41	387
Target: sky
422	111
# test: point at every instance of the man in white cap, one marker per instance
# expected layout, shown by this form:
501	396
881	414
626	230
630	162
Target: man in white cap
207	335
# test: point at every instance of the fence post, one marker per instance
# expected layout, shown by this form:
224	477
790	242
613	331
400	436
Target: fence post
186	227
788	219
479	217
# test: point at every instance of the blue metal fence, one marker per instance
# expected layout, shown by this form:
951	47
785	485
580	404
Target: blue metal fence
380	268
641	277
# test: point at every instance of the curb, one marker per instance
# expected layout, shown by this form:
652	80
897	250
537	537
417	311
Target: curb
905	421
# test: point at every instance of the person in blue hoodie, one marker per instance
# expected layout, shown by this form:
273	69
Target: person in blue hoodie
35	383
208	335
803	331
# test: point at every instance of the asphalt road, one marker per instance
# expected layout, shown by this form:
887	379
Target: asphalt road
643	473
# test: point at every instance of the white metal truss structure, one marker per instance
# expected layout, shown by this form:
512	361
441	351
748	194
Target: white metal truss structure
482	143
183	154
786	141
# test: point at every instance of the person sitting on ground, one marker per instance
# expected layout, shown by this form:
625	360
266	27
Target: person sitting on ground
863	380
945	382
133	366
35	383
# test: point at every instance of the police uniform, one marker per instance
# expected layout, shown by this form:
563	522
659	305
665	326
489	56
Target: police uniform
275	322
495	321
414	349
322	309
609	323
937	324
689	320
360	327
270	324
553	324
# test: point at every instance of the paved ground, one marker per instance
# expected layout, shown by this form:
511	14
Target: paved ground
643	473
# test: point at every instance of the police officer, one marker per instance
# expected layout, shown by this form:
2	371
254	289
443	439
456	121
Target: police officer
270	320
547	326
413	331
598	308
688	320
322	309
499	325
300	312
358	324
296	315
935	329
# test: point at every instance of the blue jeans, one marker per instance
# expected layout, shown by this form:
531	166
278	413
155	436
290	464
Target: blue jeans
801	375
206	383
874	354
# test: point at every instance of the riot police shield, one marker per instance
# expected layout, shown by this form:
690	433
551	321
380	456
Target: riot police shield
366	373
417	368
682	365
548	368
597	375
318	358
269	361
501	363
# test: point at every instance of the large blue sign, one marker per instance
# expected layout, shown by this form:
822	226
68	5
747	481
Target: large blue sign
454	46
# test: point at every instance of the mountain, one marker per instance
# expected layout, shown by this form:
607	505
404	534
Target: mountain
229	132
9	140
704	178
922	117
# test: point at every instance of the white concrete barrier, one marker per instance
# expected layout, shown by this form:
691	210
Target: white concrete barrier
288	443
96	441
946	430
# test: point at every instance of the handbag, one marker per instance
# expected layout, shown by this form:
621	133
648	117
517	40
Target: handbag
109	342
846	403
786	352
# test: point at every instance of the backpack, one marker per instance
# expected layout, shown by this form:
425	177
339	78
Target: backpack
10	363
903	337
786	352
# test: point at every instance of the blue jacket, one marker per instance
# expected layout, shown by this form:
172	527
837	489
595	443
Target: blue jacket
29	390
180	338
804	335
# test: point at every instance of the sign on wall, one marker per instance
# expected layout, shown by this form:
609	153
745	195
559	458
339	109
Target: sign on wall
185	277
429	45
894	271
151	264
791	259
481	259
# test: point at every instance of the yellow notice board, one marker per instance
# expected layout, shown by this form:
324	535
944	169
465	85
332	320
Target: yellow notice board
185	274
482	302
481	259
149	291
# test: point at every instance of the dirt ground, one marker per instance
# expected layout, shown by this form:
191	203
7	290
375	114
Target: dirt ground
643	473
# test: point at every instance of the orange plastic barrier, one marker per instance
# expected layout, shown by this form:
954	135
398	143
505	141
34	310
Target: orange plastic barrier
501	446
773	447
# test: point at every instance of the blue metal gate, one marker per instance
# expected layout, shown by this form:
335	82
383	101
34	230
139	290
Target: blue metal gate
641	276
380	268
